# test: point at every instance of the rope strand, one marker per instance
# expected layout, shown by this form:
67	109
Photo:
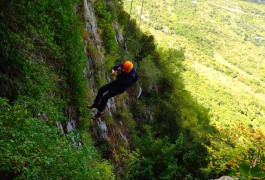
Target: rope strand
125	36
136	44
126	33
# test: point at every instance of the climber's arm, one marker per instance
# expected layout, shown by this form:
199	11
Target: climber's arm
115	68
133	79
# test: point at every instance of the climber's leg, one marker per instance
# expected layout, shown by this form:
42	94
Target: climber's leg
111	93
101	91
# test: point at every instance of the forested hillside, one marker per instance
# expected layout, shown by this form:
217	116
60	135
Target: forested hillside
55	55
224	45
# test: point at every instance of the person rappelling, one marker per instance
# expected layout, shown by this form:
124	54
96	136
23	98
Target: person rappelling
126	77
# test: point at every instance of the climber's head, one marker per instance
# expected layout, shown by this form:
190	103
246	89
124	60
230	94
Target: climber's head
127	67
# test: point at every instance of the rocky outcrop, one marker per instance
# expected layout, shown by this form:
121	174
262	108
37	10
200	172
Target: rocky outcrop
119	37
116	131
95	59
92	44
90	21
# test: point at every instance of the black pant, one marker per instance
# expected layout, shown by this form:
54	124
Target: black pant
111	89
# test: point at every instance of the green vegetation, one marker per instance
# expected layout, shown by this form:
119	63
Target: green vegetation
170	144
214	36
224	69
31	149
44	82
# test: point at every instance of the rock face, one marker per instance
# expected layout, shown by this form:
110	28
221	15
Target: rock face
92	42
90	21
117	130
103	128
59	125
119	36
95	59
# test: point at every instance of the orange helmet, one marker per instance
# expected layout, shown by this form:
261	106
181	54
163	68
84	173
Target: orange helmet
127	67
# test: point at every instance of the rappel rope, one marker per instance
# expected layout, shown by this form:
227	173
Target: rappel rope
125	36
136	47
126	33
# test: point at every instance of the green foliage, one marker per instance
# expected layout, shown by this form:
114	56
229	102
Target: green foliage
105	23
31	149
150	74
250	172
176	116
223	70
237	143
161	159
147	46
43	68
158	158
48	37
42	82
131	161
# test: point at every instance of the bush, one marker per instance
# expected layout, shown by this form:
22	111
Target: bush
105	23
42	68
31	149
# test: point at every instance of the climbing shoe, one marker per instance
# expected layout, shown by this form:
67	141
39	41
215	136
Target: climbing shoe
98	115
